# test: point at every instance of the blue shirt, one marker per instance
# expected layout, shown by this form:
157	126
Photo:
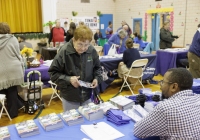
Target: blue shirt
142	45
195	47
115	39
108	29
130	55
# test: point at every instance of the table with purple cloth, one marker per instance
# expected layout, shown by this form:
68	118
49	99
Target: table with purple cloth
44	74
168	59
74	132
112	63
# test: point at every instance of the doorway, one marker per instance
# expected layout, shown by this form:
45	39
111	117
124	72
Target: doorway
155	31
103	23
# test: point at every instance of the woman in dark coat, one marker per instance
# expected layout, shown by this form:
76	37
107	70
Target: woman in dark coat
70	32
166	38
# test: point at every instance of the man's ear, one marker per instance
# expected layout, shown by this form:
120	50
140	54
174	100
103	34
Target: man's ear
175	87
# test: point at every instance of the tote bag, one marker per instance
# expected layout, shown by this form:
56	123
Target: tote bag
112	51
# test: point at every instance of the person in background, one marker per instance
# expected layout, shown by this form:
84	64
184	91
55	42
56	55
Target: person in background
129	56
66	28
166	38
22	42
138	40
12	69
81	23
97	35
57	33
70	32
109	30
126	27
194	55
119	39
178	116
77	60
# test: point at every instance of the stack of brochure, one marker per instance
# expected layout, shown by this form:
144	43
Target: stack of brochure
196	86
122	102
72	117
4	133
149	106
106	106
91	111
101	131
136	113
117	117
51	122
27	128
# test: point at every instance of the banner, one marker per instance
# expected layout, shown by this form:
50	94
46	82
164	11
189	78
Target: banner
91	22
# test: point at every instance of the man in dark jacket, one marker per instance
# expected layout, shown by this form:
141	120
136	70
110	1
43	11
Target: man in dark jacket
166	38
77	60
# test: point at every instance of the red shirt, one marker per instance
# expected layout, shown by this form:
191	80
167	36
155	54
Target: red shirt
58	35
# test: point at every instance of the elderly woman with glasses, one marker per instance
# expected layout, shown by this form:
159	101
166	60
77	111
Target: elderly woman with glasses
77	60
119	40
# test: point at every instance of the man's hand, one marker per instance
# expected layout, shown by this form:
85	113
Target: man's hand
94	83
74	81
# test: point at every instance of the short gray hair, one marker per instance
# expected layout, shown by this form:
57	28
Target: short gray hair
122	32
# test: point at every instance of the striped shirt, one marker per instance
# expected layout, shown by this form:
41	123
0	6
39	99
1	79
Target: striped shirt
177	118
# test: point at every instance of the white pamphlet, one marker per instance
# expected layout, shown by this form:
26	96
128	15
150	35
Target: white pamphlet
85	84
101	131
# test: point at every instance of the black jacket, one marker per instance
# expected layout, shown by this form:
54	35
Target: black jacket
69	63
96	36
68	36
166	38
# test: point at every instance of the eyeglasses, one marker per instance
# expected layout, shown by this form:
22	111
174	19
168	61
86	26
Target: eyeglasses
80	45
162	82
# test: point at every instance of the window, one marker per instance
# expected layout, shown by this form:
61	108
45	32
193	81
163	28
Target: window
85	1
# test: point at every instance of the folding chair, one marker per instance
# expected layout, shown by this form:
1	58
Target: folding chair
141	63
55	91
135	45
2	101
98	49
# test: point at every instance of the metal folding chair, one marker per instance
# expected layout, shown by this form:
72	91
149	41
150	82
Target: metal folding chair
2	101
55	92
136	64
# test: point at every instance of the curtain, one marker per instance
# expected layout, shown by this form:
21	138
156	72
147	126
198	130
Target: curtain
22	15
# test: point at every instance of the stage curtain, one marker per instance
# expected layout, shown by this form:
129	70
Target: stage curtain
22	15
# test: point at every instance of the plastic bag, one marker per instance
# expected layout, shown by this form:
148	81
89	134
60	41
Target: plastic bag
112	51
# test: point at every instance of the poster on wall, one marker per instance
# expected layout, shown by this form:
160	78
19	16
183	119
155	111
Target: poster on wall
63	20
91	22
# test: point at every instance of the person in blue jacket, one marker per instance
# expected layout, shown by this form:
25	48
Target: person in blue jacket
138	40
194	55
119	40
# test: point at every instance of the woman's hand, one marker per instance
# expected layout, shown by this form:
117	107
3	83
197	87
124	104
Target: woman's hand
94	83
74	81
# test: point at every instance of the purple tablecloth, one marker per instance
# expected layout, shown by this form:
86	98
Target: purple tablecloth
44	73
167	60
111	64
